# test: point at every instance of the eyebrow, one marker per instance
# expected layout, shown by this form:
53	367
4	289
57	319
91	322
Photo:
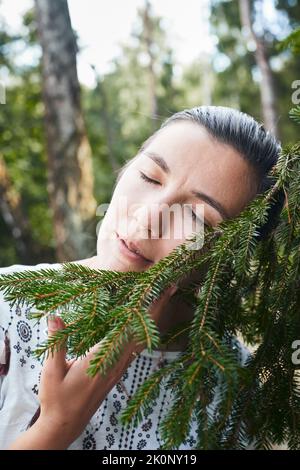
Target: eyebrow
204	197
159	160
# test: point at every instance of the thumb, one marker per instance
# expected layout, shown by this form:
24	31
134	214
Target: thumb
167	294
56	359
171	291
159	304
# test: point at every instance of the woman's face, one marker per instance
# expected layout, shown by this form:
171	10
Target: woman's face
182	160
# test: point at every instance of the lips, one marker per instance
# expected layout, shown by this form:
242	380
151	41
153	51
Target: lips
132	250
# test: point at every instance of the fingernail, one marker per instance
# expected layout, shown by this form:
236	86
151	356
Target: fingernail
53	322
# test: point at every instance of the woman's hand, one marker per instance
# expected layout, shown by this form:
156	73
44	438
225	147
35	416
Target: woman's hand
68	396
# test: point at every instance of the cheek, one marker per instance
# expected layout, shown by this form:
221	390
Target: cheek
130	193
168	245
126	195
129	180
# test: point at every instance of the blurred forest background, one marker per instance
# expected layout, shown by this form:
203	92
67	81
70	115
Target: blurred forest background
62	142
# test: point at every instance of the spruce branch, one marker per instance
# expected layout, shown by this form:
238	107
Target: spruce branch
248	287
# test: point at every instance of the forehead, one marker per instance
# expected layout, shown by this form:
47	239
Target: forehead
200	162
187	142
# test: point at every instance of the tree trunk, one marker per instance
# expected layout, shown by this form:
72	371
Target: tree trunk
70	181
267	92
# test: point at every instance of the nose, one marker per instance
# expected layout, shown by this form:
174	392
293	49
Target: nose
149	219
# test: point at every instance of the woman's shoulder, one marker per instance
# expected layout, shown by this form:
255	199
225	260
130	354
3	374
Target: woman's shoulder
6	313
23	267
15	268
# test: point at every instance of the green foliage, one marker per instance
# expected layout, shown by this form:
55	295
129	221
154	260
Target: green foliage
295	114
292	42
236	75
23	149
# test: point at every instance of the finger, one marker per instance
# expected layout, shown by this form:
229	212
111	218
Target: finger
171	290
55	361
158	306
166	295
69	363
82	362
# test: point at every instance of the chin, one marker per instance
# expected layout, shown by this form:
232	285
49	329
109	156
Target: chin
125	267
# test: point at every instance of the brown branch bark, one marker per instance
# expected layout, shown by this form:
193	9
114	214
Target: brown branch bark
267	93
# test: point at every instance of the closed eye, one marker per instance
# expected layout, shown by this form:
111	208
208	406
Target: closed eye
149	180
196	218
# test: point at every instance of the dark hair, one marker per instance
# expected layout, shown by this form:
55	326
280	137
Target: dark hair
255	144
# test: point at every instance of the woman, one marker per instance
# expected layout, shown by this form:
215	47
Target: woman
214	155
